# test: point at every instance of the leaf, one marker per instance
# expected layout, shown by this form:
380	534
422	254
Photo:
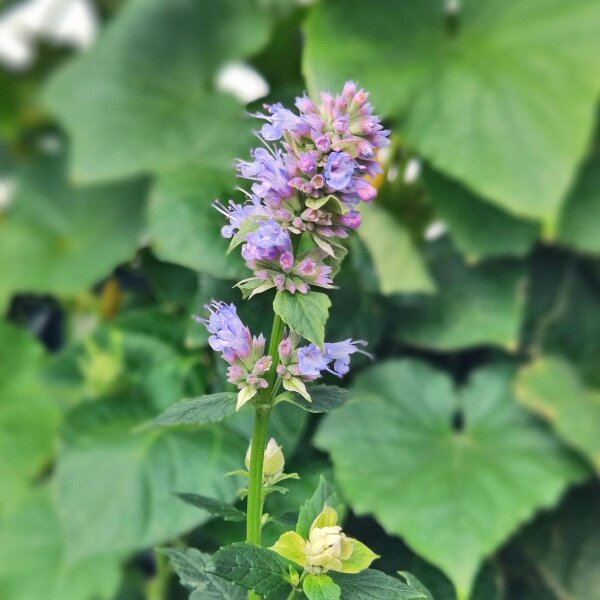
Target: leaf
34	564
480	229
196	411
551	387
481	481
399	266
320	587
291	546
360	559
192	566
185	226
579	221
148	84
250	566
68	237
144	469
29	416
306	314
375	585
324	495
324	398
474	305
472	90
216	508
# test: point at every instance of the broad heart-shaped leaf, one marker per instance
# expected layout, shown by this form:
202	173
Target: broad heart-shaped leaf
399	265
564	546
320	587
197	411
250	566
498	95
185	226
68	237
479	229
480	482
148	84
116	487
29	416
375	585
306	314
552	388
216	508
324	495
579	225
324	398
34	564
474	305
192	566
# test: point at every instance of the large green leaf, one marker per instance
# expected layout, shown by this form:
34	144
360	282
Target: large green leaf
197	411
34	564
185	228
501	95
375	585
454	494
398	264
116	488
474	305
29	415
306	314
67	237
480	229
142	98
552	388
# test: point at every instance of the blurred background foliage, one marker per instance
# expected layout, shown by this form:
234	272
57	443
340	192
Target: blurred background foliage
472	458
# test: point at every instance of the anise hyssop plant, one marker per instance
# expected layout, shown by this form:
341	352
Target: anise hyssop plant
306	181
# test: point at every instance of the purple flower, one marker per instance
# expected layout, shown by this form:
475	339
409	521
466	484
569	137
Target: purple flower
339	353
268	242
238	213
281	120
339	170
311	361
229	335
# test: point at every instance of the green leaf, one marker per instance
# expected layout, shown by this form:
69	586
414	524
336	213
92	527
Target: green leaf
480	229
552	388
197	411
185	226
193	568
579	225
324	495
481	480
474	305
375	585
360	559
320	587
144	469
29	416
68	237
399	266
471	91
250	566
324	398
34	562
142	98
292	546
216	508
306	314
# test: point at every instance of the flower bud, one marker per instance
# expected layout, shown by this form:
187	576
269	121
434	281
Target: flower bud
274	461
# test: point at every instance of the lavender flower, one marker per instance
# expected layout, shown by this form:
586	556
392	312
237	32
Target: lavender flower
339	170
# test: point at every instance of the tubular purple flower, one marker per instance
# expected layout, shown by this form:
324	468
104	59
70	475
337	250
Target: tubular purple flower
339	353
229	335
339	170
311	361
268	242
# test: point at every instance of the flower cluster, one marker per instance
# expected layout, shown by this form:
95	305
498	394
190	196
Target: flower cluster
307	363
244	352
308	178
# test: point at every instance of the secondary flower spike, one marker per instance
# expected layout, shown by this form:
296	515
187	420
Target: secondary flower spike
243	352
311	172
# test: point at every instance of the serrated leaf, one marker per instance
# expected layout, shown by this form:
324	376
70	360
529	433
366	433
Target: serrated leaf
323	496
324	398
552	388
306	314
471	89
216	508
193	568
375	585
197	411
250	566
478	479
399	266
148	83
320	587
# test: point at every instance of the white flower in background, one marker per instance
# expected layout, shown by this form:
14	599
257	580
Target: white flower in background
7	189
241	81
61	22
